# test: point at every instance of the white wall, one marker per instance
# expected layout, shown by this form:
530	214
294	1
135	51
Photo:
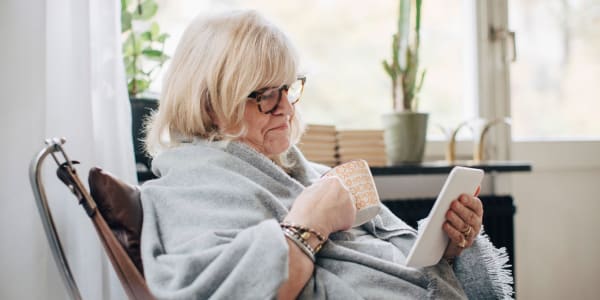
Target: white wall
28	271
557	238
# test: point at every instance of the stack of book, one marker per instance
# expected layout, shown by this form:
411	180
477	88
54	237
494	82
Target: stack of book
319	144
361	144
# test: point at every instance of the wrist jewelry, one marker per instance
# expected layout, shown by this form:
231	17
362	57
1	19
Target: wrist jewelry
302	235
300	243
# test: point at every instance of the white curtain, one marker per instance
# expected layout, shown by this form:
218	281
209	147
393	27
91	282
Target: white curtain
75	89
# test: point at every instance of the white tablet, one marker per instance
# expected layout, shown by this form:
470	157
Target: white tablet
432	240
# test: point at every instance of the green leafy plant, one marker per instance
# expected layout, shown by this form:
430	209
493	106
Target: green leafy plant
403	68
143	50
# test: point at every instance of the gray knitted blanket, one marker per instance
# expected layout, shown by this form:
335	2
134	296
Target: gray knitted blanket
211	230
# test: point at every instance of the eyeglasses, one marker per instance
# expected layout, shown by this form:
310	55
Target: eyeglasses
268	99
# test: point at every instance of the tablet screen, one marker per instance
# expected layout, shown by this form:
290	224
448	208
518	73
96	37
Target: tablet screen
432	240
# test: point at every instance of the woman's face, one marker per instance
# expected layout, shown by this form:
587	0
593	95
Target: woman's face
269	134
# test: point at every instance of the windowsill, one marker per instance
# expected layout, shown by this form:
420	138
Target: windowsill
443	167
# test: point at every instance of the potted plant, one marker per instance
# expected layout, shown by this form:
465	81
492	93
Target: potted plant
143	49
405	129
143	57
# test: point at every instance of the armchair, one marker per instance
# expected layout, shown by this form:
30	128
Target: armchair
114	208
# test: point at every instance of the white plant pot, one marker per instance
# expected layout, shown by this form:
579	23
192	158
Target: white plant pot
405	135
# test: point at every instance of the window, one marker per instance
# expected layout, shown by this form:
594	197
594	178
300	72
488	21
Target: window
554	84
342	47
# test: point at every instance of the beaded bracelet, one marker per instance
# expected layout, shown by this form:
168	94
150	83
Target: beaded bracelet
305	231
303	245
302	235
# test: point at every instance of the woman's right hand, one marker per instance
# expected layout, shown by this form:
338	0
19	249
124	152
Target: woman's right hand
326	206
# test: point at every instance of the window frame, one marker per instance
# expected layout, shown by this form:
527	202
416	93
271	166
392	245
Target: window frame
494	102
489	71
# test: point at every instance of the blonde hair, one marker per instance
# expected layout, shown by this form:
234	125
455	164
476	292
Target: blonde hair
219	61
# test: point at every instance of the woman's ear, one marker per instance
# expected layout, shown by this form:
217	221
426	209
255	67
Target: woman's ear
215	123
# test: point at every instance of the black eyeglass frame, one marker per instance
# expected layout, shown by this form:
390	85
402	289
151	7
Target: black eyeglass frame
257	94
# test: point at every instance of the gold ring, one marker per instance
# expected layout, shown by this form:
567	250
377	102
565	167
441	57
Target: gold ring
463	243
467	232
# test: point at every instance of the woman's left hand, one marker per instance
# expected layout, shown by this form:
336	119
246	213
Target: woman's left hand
463	223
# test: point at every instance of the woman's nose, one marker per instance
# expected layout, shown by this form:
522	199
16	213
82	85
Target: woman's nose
284	107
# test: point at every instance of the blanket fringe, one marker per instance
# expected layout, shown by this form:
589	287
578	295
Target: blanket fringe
498	268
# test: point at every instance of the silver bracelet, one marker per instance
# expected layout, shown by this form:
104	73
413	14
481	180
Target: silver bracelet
300	243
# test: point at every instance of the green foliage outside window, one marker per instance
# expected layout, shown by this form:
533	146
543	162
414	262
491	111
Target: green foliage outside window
143	49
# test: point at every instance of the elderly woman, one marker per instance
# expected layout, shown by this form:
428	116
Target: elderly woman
239	213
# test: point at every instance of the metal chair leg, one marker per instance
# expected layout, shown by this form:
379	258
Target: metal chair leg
53	145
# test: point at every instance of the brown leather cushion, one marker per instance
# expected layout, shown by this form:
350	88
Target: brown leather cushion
120	205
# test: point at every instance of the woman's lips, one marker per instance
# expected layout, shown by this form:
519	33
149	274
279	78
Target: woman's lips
281	127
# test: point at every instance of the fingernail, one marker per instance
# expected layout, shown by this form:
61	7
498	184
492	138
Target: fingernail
463	199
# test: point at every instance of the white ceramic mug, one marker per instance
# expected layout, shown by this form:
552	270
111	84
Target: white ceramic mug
356	175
